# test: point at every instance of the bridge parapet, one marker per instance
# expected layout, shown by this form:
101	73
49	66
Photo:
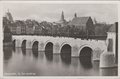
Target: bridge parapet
58	42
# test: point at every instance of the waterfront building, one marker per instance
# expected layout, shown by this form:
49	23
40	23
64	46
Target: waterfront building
13	28
84	24
112	37
7	34
18	30
21	27
10	22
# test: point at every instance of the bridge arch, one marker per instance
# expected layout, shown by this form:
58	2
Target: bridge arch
14	43
86	55
48	47
46	42
62	44
65	49
35	45
65	52
33	41
86	51
23	43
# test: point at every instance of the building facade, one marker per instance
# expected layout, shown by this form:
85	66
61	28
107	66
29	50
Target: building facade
29	27
21	25
112	40
84	24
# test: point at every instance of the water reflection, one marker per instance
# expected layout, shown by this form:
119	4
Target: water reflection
66	59
7	53
49	48
35	53
41	55
13	48
49	56
24	44
66	54
23	51
49	51
62	65
86	62
13	45
108	72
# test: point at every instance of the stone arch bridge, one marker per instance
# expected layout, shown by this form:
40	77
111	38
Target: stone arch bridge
57	43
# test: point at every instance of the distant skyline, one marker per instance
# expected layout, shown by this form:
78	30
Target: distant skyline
52	12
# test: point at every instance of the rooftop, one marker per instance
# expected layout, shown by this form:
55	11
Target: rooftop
79	21
112	28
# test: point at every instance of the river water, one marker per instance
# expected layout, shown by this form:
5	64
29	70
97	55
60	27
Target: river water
18	62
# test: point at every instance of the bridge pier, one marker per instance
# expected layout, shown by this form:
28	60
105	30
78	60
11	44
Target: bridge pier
28	45
96	54
107	58
56	49
41	47
75	51
18	43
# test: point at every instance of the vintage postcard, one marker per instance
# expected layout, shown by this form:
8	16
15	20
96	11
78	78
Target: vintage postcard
57	39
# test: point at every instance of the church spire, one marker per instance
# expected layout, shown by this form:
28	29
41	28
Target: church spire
62	16
75	15
62	20
9	16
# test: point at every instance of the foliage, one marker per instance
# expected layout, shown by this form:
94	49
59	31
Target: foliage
101	29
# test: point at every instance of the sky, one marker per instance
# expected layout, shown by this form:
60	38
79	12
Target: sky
52	12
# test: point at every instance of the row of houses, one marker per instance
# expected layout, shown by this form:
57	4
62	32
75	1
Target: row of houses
33	27
22	27
84	24
18	26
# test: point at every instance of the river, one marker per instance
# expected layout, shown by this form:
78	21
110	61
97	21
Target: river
18	62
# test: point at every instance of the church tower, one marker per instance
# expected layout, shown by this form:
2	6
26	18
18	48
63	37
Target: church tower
62	20
9	16
75	16
62	16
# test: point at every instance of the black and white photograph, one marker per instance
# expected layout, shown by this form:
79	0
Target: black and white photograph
55	39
